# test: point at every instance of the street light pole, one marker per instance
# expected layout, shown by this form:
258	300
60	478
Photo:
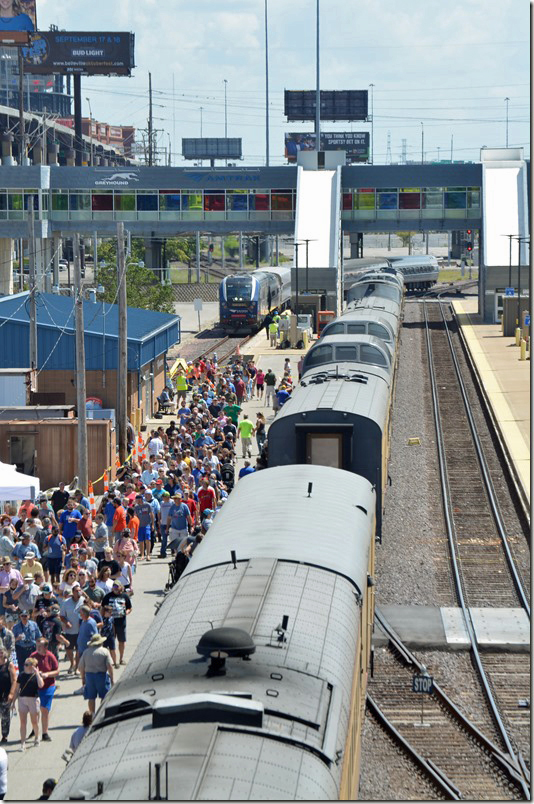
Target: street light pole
317	90
225	110
510	237
372	122
507	101
266	89
90	131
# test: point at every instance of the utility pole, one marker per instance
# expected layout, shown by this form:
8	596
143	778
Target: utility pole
122	385
33	284
266	88
150	123
22	131
317	93
83	472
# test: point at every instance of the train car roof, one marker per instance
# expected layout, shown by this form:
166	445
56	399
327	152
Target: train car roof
370	315
357	392
275	528
378	304
423	259
346	339
389	276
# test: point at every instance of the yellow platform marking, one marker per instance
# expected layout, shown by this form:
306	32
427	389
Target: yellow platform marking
518	448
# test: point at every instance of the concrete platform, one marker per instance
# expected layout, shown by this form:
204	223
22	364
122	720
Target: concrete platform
506	380
28	771
430	627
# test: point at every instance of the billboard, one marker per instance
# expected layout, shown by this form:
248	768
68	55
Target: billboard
83	52
349	104
356	144
211	148
17	19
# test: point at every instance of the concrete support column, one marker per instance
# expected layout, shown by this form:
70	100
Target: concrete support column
240	249
6	266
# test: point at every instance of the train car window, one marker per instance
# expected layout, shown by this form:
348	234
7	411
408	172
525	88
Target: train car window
379	332
324	449
356	329
344	353
335	329
238	290
318	356
370	354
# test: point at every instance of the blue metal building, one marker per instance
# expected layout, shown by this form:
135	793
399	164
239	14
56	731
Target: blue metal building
150	336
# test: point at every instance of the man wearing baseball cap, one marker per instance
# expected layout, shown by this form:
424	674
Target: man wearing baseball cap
164	507
30	566
180	521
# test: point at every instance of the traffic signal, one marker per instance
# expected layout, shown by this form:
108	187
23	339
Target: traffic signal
469	242
469	246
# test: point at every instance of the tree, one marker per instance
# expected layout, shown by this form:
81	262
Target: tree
406	237
142	287
182	249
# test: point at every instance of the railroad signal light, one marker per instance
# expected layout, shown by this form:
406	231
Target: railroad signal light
468	232
469	246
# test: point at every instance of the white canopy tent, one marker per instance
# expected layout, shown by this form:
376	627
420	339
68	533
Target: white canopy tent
16	486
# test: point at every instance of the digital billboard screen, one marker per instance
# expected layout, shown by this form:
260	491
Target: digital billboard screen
356	144
17	19
211	148
84	52
349	104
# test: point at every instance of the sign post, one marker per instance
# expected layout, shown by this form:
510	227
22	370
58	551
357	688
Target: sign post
423	683
197	305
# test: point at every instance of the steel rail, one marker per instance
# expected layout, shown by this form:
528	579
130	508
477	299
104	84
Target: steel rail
456	569
490	490
404	653
436	776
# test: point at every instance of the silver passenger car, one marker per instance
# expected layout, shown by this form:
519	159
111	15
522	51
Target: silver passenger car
273	601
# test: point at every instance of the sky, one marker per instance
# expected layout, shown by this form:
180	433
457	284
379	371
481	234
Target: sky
441	70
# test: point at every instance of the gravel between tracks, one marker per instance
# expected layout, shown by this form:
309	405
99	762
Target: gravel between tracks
412	562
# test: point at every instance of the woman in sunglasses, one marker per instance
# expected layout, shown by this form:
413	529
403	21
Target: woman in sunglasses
29	682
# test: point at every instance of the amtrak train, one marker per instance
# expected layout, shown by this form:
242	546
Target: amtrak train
245	299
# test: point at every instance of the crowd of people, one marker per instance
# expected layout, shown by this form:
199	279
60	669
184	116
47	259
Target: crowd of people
68	574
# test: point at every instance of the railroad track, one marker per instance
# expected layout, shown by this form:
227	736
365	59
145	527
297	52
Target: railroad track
455	756
207	343
483	566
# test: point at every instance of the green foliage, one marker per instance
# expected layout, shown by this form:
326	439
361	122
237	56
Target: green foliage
405	237
142	288
231	246
181	249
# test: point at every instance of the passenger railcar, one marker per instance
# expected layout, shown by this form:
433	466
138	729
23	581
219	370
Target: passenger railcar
245	299
340	417
420	273
363	351
366	321
278	601
380	288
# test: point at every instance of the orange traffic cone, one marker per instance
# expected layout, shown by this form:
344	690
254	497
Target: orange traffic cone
106	482
92	503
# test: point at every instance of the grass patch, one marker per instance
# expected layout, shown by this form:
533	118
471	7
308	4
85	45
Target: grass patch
455	274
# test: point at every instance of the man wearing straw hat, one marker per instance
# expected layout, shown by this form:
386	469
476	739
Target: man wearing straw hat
96	670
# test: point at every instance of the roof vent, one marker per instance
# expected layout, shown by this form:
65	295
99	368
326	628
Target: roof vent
234	642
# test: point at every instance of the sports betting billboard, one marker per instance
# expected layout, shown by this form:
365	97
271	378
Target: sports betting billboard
87	53
356	144
17	19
